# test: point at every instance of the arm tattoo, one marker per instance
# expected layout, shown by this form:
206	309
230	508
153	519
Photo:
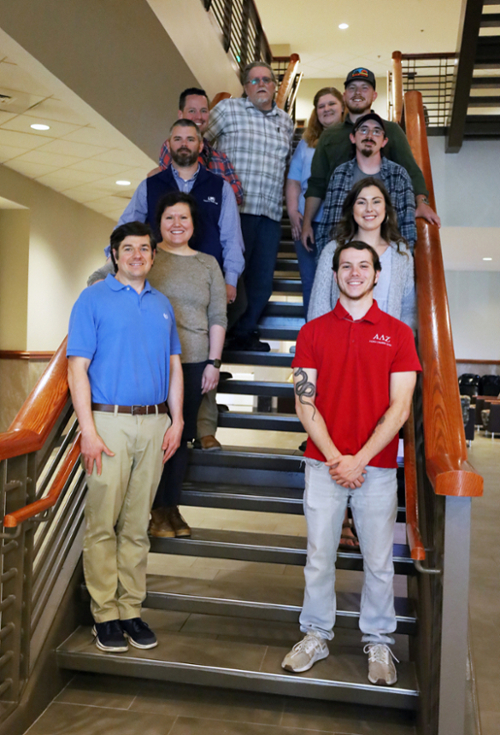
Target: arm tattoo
305	389
381	420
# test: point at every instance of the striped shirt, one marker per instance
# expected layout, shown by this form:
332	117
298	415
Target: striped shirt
258	144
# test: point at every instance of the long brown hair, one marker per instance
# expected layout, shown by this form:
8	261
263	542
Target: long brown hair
314	127
347	228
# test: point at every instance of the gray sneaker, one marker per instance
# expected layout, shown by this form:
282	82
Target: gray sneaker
381	669
305	653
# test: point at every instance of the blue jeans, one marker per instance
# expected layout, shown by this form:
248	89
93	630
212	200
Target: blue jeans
307	267
374	508
262	238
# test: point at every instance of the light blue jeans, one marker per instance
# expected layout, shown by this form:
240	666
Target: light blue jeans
374	509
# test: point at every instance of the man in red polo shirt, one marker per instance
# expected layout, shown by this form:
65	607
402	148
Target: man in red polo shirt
354	375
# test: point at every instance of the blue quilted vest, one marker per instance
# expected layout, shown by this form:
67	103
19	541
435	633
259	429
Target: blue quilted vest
207	191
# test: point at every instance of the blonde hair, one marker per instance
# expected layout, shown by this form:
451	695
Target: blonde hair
314	127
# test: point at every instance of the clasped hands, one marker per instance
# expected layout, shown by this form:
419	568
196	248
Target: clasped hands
347	470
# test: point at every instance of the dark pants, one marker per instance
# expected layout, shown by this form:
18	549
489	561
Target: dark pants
174	472
307	267
262	238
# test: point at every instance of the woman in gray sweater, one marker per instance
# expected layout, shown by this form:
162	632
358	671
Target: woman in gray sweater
194	285
368	215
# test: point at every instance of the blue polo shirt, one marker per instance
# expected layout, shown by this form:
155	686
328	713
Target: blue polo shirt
129	338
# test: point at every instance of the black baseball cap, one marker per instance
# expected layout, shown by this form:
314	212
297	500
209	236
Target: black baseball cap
369	116
360	75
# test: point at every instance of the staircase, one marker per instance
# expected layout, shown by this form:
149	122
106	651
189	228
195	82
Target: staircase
476	105
233	629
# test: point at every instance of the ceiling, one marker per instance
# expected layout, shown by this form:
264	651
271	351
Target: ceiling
376	29
80	157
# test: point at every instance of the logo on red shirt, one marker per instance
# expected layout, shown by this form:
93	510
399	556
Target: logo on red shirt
381	339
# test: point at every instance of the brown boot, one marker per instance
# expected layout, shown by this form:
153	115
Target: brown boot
177	522
159	525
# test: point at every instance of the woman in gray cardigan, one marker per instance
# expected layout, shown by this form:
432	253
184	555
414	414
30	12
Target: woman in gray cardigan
368	215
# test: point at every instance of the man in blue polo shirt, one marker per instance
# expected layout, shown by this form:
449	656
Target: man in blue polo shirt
123	365
354	376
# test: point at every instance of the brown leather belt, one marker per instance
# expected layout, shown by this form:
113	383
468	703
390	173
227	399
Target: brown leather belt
133	410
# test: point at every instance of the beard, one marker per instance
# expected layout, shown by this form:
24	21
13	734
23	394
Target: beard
366	152
184	157
358	297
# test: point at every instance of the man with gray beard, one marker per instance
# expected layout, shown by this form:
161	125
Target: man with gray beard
369	139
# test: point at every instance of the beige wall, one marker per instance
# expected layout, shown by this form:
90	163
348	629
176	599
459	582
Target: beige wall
309	87
14	257
17	378
66	242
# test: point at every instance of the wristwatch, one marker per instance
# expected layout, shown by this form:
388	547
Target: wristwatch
216	363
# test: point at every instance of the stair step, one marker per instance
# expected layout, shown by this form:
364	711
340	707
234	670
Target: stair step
260	421
287	264
262	602
255	388
287	285
484	101
482	125
247	466
487	52
282	328
485	82
270	359
260	547
490	20
243	497
212	650
286	247
285	309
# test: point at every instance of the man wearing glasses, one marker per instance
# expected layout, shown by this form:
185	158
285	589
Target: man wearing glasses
334	148
256	136
369	139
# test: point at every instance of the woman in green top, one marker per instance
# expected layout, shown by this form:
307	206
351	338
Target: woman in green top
194	284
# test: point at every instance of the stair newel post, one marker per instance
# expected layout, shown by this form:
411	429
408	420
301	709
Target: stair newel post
454	622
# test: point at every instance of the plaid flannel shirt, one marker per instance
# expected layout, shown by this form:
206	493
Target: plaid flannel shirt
259	145
216	162
396	181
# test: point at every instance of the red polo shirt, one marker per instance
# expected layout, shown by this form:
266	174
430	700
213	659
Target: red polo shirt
354	360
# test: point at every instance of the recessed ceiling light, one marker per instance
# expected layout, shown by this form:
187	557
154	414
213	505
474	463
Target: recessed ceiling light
39	126
343	26
487	258
122	182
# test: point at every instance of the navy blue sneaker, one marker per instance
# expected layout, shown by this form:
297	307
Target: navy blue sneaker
109	637
139	633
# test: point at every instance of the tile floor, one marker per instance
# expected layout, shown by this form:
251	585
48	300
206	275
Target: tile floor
99	705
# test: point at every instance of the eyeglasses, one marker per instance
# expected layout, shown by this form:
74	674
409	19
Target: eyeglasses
365	130
259	80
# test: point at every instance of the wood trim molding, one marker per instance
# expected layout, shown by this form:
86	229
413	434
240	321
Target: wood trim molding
26	355
463	361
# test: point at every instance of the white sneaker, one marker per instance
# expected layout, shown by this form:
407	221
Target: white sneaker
305	653
381	669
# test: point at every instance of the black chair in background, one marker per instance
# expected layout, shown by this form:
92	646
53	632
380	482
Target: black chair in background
469	384
489	385
492	423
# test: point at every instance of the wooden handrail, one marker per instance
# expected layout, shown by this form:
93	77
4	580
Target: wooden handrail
397	87
445	448
39	506
417	549
218	97
40	411
286	84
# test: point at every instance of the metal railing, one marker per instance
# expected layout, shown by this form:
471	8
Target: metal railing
433	75
288	76
33	553
242	33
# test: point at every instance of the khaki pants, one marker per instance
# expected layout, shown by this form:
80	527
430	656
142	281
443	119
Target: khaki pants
118	504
